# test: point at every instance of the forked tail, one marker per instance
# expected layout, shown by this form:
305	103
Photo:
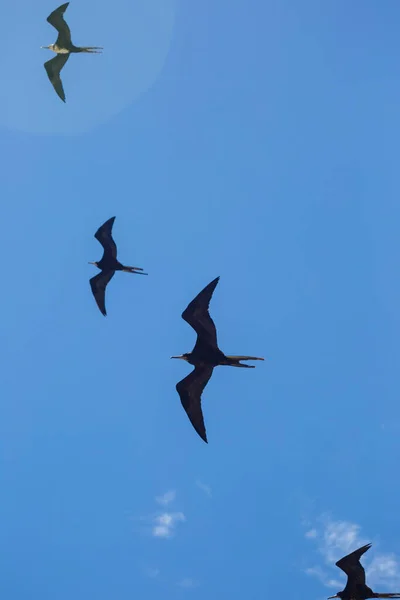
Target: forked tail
235	361
92	49
136	270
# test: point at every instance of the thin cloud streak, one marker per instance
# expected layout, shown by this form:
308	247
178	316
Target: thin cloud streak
204	487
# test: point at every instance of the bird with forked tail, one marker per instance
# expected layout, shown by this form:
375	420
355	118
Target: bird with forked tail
108	264
63	47
205	356
356	588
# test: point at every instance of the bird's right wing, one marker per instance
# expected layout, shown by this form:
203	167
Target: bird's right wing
190	390
56	18
351	565
98	283
198	317
104	236
53	68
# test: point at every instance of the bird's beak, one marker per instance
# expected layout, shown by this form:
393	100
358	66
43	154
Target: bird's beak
46	47
335	596
91	263
181	356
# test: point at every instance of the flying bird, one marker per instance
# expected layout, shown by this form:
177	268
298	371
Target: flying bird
63	47
356	589
205	356
108	264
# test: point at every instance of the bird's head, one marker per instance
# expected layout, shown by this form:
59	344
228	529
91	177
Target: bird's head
94	263
182	356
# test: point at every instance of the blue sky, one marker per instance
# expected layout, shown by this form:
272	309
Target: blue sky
253	140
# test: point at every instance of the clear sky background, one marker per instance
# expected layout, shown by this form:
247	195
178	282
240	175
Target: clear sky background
255	140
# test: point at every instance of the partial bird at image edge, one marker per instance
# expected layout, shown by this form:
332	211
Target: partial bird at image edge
356	588
63	47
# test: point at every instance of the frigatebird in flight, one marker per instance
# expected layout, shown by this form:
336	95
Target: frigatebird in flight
108	264
356	589
205	356
63	47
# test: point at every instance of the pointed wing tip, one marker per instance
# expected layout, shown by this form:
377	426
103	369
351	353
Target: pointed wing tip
110	221
368	546
104	226
61	9
201	434
103	311
214	282
353	556
364	548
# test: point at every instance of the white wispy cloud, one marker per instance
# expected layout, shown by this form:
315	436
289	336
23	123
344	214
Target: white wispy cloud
336	538
187	583
166	498
204	487
164	524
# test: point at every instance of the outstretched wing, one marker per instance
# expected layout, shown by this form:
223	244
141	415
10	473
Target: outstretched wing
190	390
198	317
104	236
53	68
98	283
351	565
56	18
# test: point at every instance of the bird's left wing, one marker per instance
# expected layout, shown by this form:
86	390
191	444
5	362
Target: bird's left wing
351	565
198	317
190	390
56	18
98	283
104	236
53	68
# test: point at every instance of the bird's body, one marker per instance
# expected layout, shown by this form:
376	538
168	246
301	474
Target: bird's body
58	50
356	588
108	264
205	356
63	47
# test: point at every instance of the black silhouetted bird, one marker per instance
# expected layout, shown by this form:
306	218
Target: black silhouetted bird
63	48
205	356
356	589
108	264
